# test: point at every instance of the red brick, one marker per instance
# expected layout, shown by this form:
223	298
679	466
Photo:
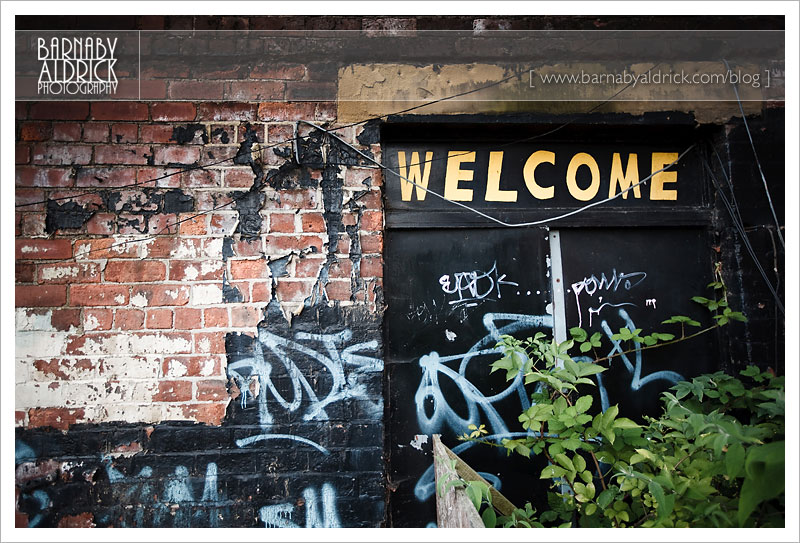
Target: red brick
208	413
281	223
158	295
249	247
372	221
192	225
313	222
249	269
223	223
209	342
57	417
280	133
175	154
64	319
20	110
244	289
29	199
192	365
194	270
338	290
226	111
98	319
308	267
67	132
157	133
212	390
84	520
371	200
60	111
158	318
162	224
135	271
173	391
154	89
262	291
124	133
19	418
164	247
106	177
159	177
255	90
22	154
278	71
61	154
371	266
293	199
201	178
121	154
35	131
292	243
372	243
29	249
95	132
242	316
119	111
187	318
98	295
195	90
293	291
43	177
24	272
208	200
341	269
33	225
101	223
216	317
129	319
286	111
173	111
222	134
326	111
66	273
238	178
95	249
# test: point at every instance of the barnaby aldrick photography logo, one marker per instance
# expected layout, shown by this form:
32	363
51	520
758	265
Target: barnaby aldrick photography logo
77	66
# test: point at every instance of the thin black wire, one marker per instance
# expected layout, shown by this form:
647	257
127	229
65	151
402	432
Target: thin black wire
740	229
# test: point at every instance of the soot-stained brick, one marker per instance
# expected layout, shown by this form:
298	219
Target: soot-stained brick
248	205
291	175
332	194
371	132
222	133
309	149
66	215
230	294
187	134
248	154
356	281
176	201
341	154
227	248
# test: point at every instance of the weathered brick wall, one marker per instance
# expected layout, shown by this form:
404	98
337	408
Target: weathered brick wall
142	285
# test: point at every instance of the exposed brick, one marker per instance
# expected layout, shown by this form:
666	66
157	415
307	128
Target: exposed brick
216	317
249	269
104	248
95	132
157	133
101	223
371	266
43	177
67	273
135	271
162	224
195	90
29	249
173	391
22	154
61	154
169	247
255	90
194	270
238	178
201	178
106	177
226	111
158	177
326	111
24	272
293	291
249	247
121	154
211	390
261	291
174	154
129	319
341	269
338	290
308	267
209	342
281	223
33	225
124	133
292	243
158	318
173	111
191	366
223	134
158	295
372	221
286	111
242	316
119	111
208	413
67	132
188	318
244	288
98	295
371	200
371	243
56	417
35	131
192	225
278	71
84	520
359	178
223	223
313	222
293	199
98	319
60	111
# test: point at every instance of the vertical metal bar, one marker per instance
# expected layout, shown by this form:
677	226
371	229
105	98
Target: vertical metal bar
557	287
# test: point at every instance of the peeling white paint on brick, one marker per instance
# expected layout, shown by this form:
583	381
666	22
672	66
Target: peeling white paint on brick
204	345
21	370
91	323
187	249
159	344
213	248
131	368
210	266
191	273
206	295
40	344
208	367
131	412
33	319
139	300
176	368
120	299
172	293
104	344
48	274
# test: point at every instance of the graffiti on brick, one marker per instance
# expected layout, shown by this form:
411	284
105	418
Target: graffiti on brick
320	511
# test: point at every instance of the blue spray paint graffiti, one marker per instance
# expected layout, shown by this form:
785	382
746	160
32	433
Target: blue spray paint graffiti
320	513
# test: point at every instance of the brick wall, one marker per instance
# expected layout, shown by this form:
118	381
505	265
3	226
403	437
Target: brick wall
239	301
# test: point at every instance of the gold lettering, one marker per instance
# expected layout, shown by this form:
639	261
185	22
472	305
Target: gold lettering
493	191
583	159
411	175
626	180
455	174
537	191
657	190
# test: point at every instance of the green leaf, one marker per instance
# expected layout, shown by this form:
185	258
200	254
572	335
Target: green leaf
583	404
607	496
764	477
586	347
489	518
590	509
552	472
579	462
625	423
564	461
578	334
474	494
734	460
665	505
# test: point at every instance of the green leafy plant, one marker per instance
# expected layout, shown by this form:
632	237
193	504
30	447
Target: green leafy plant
715	457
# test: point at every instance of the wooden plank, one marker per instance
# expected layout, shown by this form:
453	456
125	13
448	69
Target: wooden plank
453	509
